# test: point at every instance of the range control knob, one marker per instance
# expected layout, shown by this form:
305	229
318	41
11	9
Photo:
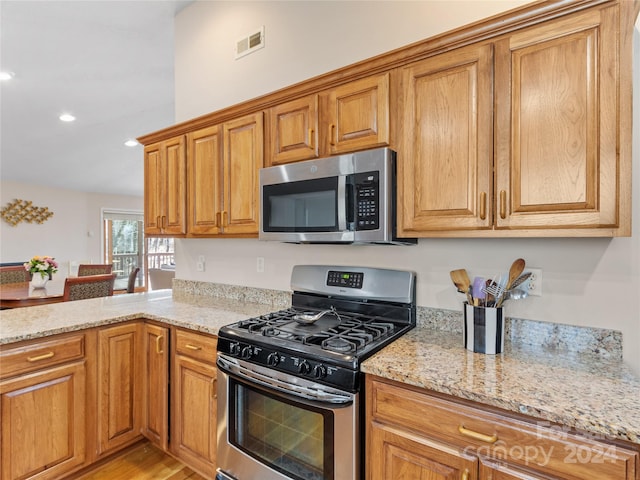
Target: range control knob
273	359
234	349
304	368
319	371
246	353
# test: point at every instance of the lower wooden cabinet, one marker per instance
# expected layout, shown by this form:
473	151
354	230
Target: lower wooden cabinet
155	384
401	455
193	401
415	434
118	387
43	408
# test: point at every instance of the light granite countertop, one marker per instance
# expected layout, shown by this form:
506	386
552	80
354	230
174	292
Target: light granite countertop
204	314
590	393
596	396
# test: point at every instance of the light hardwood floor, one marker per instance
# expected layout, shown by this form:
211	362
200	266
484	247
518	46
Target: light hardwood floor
144	462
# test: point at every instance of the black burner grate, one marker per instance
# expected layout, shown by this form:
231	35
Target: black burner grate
339	332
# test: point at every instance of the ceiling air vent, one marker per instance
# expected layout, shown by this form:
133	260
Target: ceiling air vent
249	44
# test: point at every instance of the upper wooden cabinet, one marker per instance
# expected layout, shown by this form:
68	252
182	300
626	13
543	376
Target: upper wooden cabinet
223	165
165	188
357	115
515	126
445	165
293	133
551	167
350	117
556	139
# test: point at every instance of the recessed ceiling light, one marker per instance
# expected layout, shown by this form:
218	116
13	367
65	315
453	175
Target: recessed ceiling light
6	75
67	117
131	143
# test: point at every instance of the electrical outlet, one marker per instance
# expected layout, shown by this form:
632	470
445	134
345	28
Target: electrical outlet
534	283
260	265
200	263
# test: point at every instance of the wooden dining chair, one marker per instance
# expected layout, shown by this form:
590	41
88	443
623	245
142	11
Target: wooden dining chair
131	283
85	269
14	274
89	286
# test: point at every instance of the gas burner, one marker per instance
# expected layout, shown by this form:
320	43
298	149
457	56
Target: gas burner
338	344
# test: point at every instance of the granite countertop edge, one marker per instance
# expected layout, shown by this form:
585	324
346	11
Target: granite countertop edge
591	395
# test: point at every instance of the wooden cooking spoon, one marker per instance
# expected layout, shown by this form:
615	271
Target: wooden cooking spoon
515	271
460	279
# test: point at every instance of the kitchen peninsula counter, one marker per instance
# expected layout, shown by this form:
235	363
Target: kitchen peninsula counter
201	313
583	391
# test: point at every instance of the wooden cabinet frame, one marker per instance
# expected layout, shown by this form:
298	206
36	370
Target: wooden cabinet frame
314	119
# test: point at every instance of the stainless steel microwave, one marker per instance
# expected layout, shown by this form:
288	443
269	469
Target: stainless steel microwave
349	198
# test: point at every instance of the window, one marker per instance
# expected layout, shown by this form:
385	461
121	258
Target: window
124	246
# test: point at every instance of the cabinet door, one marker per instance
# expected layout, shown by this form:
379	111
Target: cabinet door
154	185
174	221
293	131
445	164
491	470
43	423
165	187
399	455
556	139
155	380
118	387
243	159
194	395
205	181
358	115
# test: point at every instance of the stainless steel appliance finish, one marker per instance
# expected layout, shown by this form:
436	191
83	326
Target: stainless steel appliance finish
349	198
288	392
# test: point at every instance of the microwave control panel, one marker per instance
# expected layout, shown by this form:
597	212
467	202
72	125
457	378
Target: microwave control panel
367	200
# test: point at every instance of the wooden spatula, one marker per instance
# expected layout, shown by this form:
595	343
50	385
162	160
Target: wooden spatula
460	279
515	271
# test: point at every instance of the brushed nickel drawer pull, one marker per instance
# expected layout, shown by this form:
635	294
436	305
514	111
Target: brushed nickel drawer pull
483	205
465	474
214	389
311	139
192	347
477	435
44	356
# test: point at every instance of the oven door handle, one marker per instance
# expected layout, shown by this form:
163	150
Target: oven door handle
307	392
222	475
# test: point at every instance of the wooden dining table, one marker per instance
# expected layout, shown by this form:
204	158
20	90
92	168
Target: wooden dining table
14	295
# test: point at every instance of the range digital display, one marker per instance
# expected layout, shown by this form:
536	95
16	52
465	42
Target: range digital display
345	279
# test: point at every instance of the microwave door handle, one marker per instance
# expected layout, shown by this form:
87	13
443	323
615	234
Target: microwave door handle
342	203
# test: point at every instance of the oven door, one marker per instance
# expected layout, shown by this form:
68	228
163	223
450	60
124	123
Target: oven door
274	426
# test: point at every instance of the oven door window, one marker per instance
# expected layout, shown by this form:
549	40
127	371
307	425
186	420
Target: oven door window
293	438
302	206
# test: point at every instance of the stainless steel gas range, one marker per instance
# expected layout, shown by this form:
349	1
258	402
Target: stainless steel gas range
289	381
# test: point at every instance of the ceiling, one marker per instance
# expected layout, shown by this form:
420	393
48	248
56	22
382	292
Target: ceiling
110	64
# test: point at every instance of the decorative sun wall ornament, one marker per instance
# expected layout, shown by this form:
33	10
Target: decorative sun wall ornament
24	211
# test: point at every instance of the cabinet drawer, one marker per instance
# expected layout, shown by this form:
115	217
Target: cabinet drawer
196	345
539	446
41	354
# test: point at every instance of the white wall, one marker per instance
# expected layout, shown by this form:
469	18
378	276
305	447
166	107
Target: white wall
72	233
587	282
